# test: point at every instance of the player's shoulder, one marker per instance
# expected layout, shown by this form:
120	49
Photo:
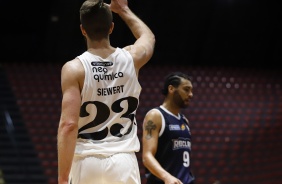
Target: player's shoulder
154	116
154	112
138	55
73	68
73	65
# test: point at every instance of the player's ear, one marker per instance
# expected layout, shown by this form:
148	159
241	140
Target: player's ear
83	30
112	28
171	88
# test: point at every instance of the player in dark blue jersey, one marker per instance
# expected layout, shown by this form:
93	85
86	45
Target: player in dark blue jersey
166	136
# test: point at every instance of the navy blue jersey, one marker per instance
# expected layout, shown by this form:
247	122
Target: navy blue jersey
174	148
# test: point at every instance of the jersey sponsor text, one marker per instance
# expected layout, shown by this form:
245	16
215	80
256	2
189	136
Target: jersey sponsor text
178	144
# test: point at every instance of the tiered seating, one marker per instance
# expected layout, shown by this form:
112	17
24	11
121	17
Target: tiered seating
18	160
236	118
37	88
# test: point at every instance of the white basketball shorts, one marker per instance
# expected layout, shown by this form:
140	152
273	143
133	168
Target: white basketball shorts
120	168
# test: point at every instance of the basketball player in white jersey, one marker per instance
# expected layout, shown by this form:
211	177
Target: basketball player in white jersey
97	133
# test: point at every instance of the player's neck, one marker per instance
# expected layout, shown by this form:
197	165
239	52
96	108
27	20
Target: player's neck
171	108
99	44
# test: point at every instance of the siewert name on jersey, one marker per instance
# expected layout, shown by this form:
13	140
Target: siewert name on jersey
109	91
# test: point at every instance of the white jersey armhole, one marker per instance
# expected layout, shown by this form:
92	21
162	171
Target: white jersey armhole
85	79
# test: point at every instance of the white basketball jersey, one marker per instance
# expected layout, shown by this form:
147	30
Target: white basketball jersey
110	97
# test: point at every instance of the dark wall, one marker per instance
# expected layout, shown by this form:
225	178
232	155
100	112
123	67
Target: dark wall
234	32
206	32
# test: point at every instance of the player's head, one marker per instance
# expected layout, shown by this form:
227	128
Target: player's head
96	19
178	88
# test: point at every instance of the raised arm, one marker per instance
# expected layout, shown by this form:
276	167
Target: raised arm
143	48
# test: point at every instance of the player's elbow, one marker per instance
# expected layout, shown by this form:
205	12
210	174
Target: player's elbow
146	158
67	126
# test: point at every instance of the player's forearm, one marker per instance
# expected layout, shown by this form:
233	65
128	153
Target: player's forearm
135	24
158	171
64	165
154	167
66	146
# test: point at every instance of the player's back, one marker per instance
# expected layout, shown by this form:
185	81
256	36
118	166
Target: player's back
110	97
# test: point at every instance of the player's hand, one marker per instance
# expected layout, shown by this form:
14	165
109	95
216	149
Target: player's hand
118	5
172	180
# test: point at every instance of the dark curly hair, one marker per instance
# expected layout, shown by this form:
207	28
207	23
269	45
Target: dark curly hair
173	79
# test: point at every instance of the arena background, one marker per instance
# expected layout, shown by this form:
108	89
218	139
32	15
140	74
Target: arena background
231	48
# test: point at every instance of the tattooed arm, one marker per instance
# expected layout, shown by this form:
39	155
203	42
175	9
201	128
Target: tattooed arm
152	125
